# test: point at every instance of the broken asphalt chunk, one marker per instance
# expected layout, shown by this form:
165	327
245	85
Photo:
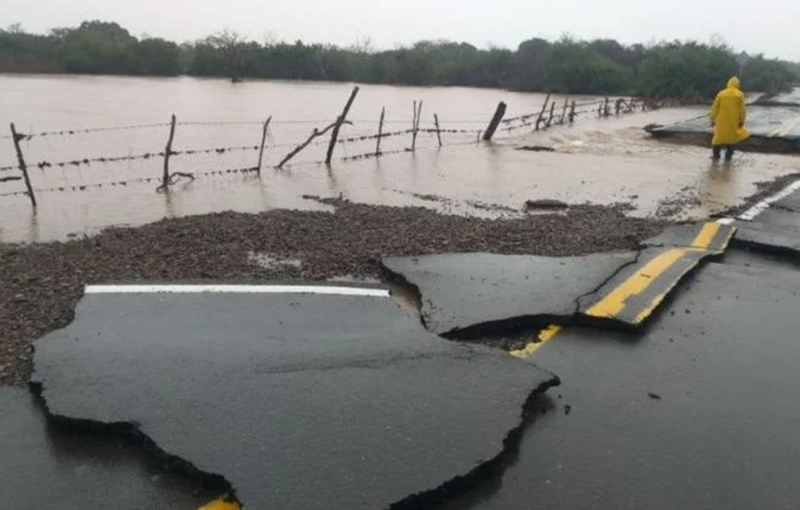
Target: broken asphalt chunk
711	236
335	402
467	294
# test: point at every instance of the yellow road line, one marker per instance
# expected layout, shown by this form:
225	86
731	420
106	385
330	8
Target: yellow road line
545	336
614	301
706	235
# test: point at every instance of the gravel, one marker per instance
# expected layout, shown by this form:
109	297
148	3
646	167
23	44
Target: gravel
40	284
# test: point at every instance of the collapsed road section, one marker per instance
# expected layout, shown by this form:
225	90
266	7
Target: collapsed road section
297	399
467	295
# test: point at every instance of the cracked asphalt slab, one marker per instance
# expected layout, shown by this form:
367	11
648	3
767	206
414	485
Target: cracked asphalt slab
698	410
471	295
468	294
47	467
775	229
298	401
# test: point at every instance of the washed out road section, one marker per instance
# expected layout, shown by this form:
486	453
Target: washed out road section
469	295
700	410
465	294
297	400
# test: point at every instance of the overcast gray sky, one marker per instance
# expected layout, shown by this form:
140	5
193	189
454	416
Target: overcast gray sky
768	26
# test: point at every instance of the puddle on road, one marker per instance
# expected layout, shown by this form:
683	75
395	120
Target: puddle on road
600	161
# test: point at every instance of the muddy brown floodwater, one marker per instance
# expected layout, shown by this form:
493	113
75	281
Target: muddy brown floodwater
595	161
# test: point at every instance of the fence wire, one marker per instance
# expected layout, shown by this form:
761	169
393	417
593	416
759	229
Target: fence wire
558	113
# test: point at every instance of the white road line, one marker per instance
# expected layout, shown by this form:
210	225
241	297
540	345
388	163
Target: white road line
762	206
726	221
235	289
785	128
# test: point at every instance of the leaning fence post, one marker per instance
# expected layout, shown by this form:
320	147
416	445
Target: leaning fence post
22	166
167	154
541	113
572	112
380	133
438	131
263	141
415	130
498	116
338	125
552	111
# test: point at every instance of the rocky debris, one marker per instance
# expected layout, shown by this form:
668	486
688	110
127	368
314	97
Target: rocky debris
40	284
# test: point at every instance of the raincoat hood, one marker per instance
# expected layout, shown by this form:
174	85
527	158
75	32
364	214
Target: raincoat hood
734	83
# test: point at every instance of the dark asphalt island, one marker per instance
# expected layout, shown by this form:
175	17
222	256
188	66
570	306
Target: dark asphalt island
298	400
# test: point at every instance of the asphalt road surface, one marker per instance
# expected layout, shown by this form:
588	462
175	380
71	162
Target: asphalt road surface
677	371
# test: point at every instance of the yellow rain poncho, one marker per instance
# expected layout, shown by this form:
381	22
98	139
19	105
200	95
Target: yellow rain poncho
729	114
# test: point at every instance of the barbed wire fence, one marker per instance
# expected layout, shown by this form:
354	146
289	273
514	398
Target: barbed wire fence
553	112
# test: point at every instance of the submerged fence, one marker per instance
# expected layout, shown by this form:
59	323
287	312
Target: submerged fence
554	111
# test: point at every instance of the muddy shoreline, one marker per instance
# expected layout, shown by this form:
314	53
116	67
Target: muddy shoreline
40	284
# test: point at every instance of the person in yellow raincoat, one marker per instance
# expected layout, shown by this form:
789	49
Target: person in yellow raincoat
728	115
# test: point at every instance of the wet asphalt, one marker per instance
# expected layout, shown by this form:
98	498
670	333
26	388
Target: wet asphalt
699	411
495	292
320	402
298	401
45	466
780	122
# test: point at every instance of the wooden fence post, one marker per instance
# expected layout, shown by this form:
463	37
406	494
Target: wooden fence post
541	113
438	130
338	125
606	109
498	116
22	166
167	154
572	112
263	141
564	111
415	130
380	133
552	111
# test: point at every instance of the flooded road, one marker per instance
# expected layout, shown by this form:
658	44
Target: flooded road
600	161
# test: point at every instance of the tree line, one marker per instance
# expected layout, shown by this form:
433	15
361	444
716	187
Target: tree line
685	70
